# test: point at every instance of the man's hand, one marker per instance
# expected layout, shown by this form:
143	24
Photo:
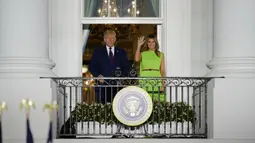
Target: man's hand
101	80
162	89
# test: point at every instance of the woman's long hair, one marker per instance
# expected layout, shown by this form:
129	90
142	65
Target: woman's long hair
145	44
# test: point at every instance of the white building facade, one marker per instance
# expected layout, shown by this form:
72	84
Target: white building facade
199	38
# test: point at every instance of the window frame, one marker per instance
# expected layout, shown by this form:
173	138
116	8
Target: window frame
161	21
162	5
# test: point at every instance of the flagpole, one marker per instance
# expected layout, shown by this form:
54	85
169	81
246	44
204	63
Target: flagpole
51	107
28	104
3	106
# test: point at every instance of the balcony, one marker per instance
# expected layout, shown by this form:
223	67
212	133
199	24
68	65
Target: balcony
179	109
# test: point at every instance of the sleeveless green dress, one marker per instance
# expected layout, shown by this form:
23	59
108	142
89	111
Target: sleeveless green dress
150	67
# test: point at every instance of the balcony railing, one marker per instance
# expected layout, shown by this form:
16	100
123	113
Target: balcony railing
179	107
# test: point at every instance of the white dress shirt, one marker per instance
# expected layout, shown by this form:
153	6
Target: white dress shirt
108	50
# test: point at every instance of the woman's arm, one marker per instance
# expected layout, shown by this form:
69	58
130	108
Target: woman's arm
138	54
162	72
138	49
162	66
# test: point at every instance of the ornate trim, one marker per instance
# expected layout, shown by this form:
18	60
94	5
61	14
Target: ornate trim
129	81
232	67
25	67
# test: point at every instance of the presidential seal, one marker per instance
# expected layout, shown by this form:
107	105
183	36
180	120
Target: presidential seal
132	106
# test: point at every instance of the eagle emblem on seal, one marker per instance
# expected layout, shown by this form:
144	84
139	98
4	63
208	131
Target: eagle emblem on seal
132	106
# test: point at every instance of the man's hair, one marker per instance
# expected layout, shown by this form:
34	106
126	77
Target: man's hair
108	32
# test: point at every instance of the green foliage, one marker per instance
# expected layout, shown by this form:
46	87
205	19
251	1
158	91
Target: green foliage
162	112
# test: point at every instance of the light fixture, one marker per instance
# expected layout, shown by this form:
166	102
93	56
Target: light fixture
84	69
110	9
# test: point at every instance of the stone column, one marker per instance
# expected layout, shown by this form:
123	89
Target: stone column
231	99
24	57
234	39
24	39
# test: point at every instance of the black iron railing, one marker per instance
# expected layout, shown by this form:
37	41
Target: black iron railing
179	107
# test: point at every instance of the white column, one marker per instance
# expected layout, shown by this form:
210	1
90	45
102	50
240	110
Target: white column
24	56
234	39
24	39
231	100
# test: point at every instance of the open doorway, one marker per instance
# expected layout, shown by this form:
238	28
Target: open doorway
126	34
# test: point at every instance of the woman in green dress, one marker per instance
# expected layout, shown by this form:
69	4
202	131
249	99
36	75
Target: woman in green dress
152	64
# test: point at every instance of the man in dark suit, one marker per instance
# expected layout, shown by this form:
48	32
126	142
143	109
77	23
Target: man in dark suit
104	62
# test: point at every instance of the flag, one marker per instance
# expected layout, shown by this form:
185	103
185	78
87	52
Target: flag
85	35
49	140
29	133
1	139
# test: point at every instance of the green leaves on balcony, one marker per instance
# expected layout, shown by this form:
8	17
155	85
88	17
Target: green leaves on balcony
162	112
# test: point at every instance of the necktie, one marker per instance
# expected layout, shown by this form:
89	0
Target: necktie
111	55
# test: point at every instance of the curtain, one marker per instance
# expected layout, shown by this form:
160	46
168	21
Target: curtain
85	36
90	8
155	6
121	9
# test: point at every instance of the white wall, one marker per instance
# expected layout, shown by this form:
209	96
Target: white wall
231	109
14	120
189	45
189	37
177	37
201	36
66	42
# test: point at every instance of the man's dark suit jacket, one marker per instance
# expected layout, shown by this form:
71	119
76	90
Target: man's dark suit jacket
100	65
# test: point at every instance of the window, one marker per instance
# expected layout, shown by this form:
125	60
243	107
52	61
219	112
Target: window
121	8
